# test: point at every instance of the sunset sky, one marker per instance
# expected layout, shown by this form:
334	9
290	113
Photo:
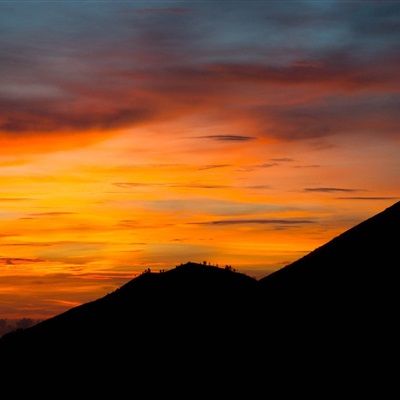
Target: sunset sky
150	133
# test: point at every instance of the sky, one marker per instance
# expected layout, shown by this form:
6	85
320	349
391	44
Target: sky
139	134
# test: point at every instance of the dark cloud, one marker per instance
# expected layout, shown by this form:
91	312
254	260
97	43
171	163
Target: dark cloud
172	185
51	214
369	198
200	186
188	185
213	166
258	187
17	260
267	165
250	168
261	221
228	138
331	190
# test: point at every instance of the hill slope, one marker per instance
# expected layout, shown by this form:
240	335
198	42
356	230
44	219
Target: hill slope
358	264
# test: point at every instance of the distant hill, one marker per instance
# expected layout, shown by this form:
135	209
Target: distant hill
192	301
196	310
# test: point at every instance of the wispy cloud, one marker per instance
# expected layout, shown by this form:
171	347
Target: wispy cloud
250	168
369	198
228	138
200	186
213	166
137	184
266	165
17	260
307	166
258	187
127	185
282	160
258	221
331	190
51	214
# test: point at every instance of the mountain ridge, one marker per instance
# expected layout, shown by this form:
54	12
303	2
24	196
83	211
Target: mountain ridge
342	285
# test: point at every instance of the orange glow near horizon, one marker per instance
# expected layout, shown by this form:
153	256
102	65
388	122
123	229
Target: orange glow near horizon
79	222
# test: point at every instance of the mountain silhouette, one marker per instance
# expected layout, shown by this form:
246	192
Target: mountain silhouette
343	289
193	302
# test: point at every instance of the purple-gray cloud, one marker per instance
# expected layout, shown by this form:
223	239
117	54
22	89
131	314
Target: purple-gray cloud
164	62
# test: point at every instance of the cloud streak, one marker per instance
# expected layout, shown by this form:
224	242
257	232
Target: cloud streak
331	190
213	166
136	184
258	221
16	260
307	166
51	214
369	198
282	160
228	138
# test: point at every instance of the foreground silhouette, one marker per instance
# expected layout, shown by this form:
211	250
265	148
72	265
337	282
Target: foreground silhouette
336	296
